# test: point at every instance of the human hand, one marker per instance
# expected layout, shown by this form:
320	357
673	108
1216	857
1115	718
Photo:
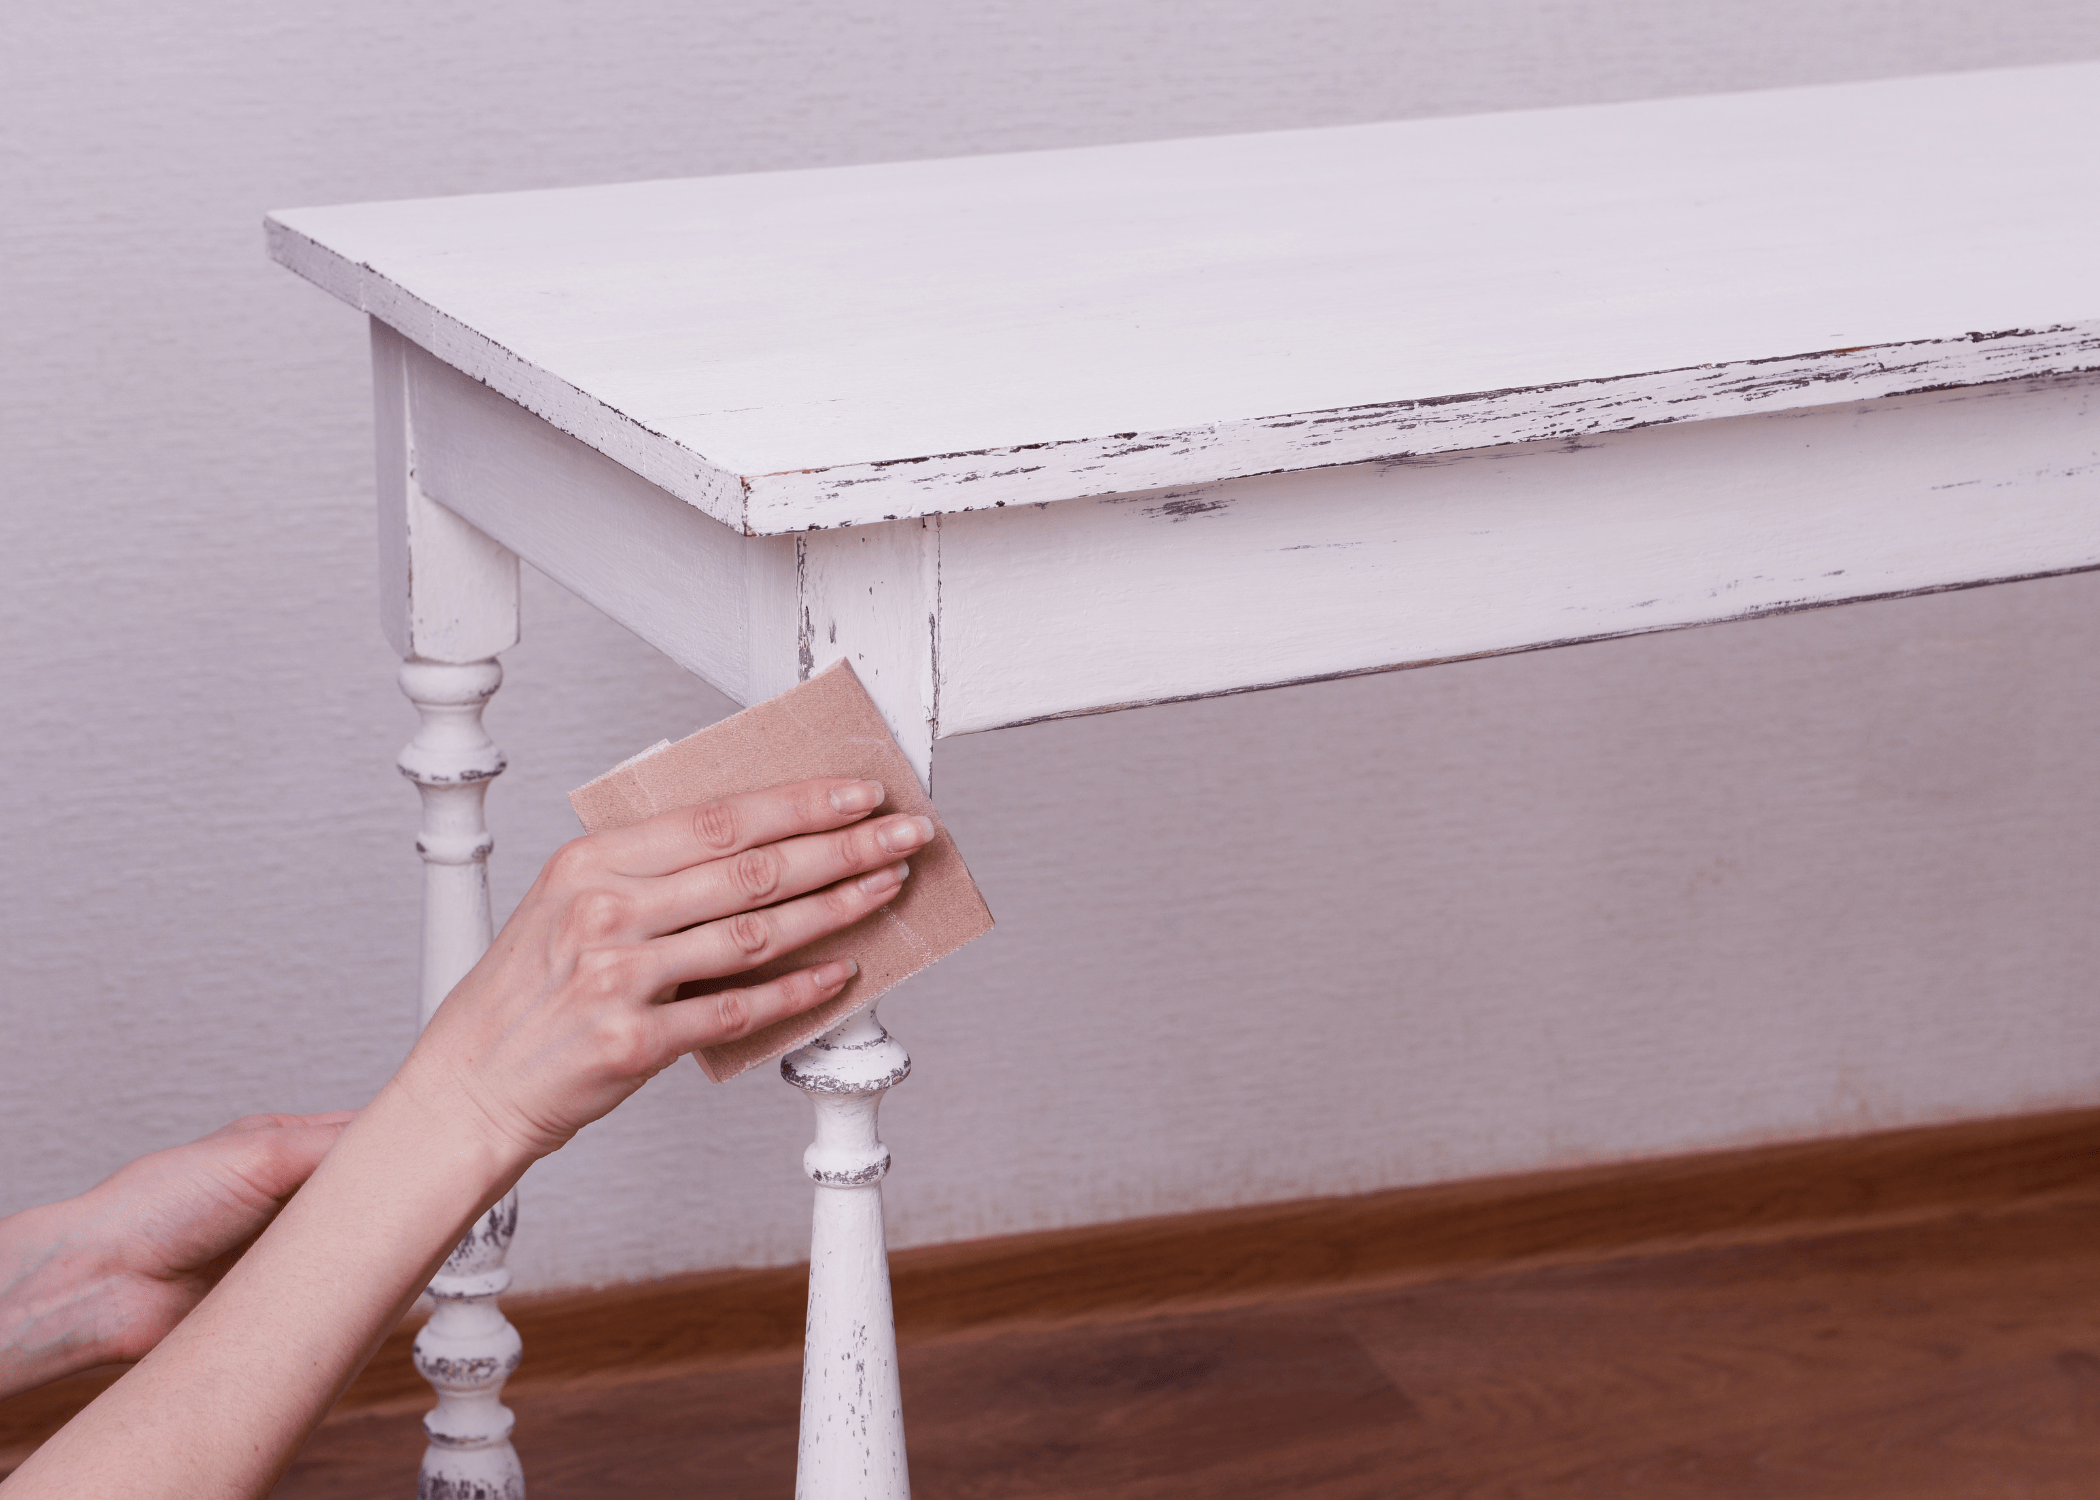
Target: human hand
572	1008
101	1278
570	1011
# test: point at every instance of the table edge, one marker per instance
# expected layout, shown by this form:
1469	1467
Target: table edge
904	487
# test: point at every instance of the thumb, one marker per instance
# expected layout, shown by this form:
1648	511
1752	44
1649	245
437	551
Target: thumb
273	1154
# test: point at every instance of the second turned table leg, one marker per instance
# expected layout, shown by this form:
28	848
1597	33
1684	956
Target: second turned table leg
852	1443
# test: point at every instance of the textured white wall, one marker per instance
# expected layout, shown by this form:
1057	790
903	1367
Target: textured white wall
1804	875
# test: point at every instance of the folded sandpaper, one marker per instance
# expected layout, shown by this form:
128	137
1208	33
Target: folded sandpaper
827	726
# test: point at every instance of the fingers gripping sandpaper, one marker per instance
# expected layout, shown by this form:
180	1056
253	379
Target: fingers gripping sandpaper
827	726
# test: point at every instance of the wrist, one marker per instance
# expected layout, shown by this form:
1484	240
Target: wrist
453	1101
454	1138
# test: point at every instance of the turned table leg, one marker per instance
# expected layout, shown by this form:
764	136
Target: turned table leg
449	605
467	1349
852	1445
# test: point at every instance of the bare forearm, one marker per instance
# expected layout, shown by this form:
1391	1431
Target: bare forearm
569	1012
220	1406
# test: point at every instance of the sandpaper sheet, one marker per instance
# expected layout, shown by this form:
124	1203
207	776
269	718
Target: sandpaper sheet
827	726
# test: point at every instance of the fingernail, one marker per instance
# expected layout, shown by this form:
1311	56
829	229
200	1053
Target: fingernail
900	834
883	879
834	974
858	797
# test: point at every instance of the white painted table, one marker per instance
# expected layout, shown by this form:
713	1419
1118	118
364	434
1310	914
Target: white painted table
1047	434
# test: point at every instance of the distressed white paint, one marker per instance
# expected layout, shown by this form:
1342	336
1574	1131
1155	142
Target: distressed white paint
1399	430
467	1349
751	615
1254	582
839	347
452	760
449	604
448	593
719	605
971	622
852	1434
871	595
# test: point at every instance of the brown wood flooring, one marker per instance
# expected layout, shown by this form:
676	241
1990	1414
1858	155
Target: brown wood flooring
1954	1356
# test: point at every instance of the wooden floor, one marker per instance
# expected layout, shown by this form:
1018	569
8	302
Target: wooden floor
1957	1357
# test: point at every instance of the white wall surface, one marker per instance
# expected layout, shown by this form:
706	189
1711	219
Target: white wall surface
1811	874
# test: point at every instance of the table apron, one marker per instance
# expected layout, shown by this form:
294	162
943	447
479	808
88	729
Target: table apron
1096	604
981	619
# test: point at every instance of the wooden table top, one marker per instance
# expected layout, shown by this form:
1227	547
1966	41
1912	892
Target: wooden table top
820	348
